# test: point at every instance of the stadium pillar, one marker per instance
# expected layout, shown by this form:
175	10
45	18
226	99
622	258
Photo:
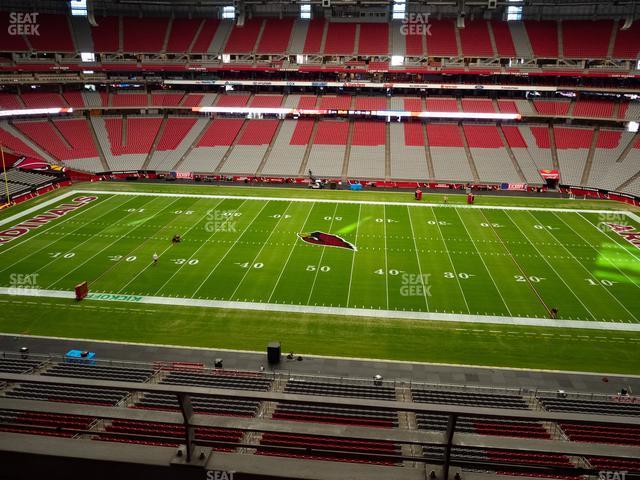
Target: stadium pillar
451	427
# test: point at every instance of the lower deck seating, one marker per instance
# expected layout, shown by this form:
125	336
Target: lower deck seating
206	405
469	399
18	365
484	426
347	415
66	393
328	448
304	387
99	372
600	407
580	432
217	379
37	423
167	434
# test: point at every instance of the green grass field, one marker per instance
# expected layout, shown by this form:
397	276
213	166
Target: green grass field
413	263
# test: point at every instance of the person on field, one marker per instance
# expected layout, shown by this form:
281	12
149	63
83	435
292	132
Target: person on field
155	258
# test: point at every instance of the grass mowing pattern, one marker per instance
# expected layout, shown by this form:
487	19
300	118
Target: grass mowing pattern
445	260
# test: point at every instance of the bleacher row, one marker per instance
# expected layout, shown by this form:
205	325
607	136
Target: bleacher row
304	446
290	148
18	181
579	108
573	39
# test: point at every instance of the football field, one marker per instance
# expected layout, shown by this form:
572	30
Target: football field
417	261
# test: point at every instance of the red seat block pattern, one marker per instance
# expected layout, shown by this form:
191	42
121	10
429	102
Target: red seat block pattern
368	133
105	35
586	39
205	37
475	41
503	39
55	35
144	34
275	36
444	135
331	133
543	36
174	132
258	132
374	39
221	132
341	38
182	32
302	132
482	136
313	42
243	39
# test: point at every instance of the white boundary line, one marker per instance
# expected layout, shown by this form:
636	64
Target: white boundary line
35	208
352	312
356	202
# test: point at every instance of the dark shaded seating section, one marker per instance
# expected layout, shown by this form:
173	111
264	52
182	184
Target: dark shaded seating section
602	407
615	464
121	374
196	376
166	434
347	415
515	458
205	405
18	365
329	448
470	399
484	426
219	379
372	392
37	423
601	433
67	394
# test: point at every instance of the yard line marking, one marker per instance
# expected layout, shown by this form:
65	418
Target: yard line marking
358	202
315	276
612	236
524	274
386	259
201	246
586	242
351	312
170	245
75	246
550	232
415	247
353	258
484	263
109	245
264	244
53	225
550	265
293	247
453	267
231	247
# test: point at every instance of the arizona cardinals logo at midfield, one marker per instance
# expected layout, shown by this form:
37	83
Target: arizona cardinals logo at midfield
326	240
